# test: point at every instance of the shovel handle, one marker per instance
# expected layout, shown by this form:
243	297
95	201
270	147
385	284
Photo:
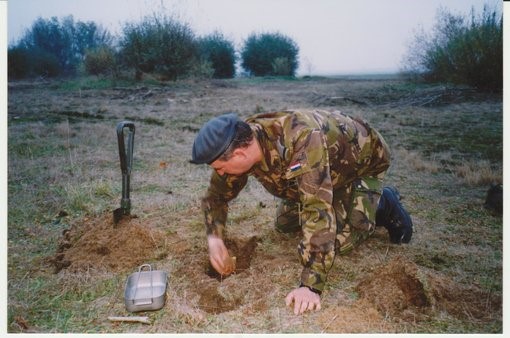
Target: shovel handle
126	160
126	155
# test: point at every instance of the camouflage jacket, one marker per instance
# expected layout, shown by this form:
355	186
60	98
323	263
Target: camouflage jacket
306	155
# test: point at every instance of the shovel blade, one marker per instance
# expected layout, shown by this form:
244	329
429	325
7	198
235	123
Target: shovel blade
117	215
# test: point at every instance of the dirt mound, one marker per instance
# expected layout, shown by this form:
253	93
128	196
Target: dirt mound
95	243
404	291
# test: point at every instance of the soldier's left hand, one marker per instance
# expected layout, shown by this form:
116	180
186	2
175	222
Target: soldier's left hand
304	299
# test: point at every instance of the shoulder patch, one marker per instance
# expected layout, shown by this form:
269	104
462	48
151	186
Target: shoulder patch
295	167
298	167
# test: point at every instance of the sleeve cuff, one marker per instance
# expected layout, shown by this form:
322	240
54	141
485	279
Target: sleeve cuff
319	292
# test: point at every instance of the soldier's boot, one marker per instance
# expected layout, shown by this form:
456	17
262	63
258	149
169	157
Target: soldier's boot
393	216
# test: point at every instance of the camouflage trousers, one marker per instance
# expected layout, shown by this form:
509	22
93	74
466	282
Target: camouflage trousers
355	207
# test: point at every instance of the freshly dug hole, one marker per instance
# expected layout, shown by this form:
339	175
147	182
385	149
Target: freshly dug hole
242	249
411	293
394	287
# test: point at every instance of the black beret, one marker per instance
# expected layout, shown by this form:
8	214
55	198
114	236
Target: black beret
214	138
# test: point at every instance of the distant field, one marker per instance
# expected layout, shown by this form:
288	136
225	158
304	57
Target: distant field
367	76
67	263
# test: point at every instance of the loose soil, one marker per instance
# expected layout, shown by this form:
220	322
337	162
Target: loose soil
212	302
399	289
99	244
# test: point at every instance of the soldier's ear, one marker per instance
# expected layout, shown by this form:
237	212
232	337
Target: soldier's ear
241	152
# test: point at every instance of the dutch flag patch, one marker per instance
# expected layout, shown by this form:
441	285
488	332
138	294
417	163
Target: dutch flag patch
295	167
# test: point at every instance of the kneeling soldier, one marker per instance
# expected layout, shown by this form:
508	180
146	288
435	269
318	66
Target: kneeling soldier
327	169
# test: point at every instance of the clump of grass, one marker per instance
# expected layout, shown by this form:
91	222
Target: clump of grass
43	304
91	82
87	197
419	163
478	173
104	189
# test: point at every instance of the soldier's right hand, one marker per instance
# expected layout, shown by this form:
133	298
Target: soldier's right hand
219	256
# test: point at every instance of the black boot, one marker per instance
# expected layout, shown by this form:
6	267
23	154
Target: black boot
392	215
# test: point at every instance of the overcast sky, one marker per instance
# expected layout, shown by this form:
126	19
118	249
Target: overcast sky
334	36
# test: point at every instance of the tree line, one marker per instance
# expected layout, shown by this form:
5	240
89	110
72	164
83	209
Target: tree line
159	44
459	50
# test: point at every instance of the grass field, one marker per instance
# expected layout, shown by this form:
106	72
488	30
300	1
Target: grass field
67	263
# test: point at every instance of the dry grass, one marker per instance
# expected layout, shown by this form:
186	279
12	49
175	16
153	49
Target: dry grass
64	171
473	172
419	162
481	173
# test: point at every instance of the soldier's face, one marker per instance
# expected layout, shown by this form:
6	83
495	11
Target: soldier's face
236	165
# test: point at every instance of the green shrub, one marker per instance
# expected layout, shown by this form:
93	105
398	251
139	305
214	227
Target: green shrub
460	51
159	44
270	54
219	53
18	62
100	61
24	62
44	63
54	47
281	66
201	70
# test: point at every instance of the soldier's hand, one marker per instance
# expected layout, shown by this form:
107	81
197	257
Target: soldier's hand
304	299
219	256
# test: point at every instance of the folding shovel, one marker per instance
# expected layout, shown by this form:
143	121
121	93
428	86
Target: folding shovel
126	162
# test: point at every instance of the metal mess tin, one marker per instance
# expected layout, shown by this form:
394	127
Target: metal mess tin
145	290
